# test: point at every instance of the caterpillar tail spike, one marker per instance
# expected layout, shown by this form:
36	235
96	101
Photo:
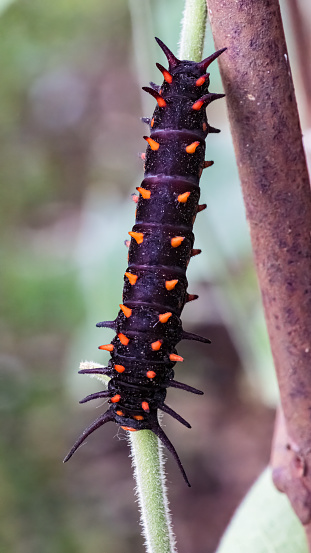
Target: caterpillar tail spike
168	444
106	417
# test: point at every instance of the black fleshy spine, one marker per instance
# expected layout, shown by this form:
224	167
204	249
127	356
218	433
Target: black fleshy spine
155	282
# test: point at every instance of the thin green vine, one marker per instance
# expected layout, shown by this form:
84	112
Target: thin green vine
193	30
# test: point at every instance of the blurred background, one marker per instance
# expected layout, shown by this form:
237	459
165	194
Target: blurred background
71	102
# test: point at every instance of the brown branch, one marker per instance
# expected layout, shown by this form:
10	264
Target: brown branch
267	140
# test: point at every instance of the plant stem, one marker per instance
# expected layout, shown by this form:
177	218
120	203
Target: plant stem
193	30
148	463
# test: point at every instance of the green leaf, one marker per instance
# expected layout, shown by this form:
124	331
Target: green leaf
264	523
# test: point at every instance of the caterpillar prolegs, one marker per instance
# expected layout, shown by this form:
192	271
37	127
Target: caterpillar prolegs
148	325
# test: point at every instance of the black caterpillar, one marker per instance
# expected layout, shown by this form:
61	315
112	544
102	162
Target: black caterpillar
148	325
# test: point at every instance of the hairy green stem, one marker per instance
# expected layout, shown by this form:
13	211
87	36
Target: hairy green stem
193	30
148	463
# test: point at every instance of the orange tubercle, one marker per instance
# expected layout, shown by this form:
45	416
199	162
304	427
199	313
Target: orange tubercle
192	147
150	374
115	398
119	368
107	347
174	357
145	405
152	122
156	345
138	236
138	417
170	284
123	339
182	198
126	310
167	76
176	241
197	105
129	429
152	143
164	317
132	278
201	80
120	413
145	193
161	102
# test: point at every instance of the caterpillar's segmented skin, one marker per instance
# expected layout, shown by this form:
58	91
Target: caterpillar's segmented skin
148	325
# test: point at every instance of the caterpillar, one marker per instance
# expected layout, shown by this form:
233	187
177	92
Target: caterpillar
148	325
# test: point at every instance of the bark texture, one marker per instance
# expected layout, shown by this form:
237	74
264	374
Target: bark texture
268	144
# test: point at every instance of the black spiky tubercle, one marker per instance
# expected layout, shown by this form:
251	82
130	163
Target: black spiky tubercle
148	326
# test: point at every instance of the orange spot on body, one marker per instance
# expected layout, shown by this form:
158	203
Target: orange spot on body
145	193
138	417
176	241
123	339
150	374
164	317
197	105
120	413
167	76
156	345
161	101
138	236
119	368
174	357
145	405
129	429
107	347
126	310
132	278
192	147
182	198
152	122
170	284
201	80
115	398
152	143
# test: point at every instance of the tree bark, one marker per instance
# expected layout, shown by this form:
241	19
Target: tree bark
267	139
